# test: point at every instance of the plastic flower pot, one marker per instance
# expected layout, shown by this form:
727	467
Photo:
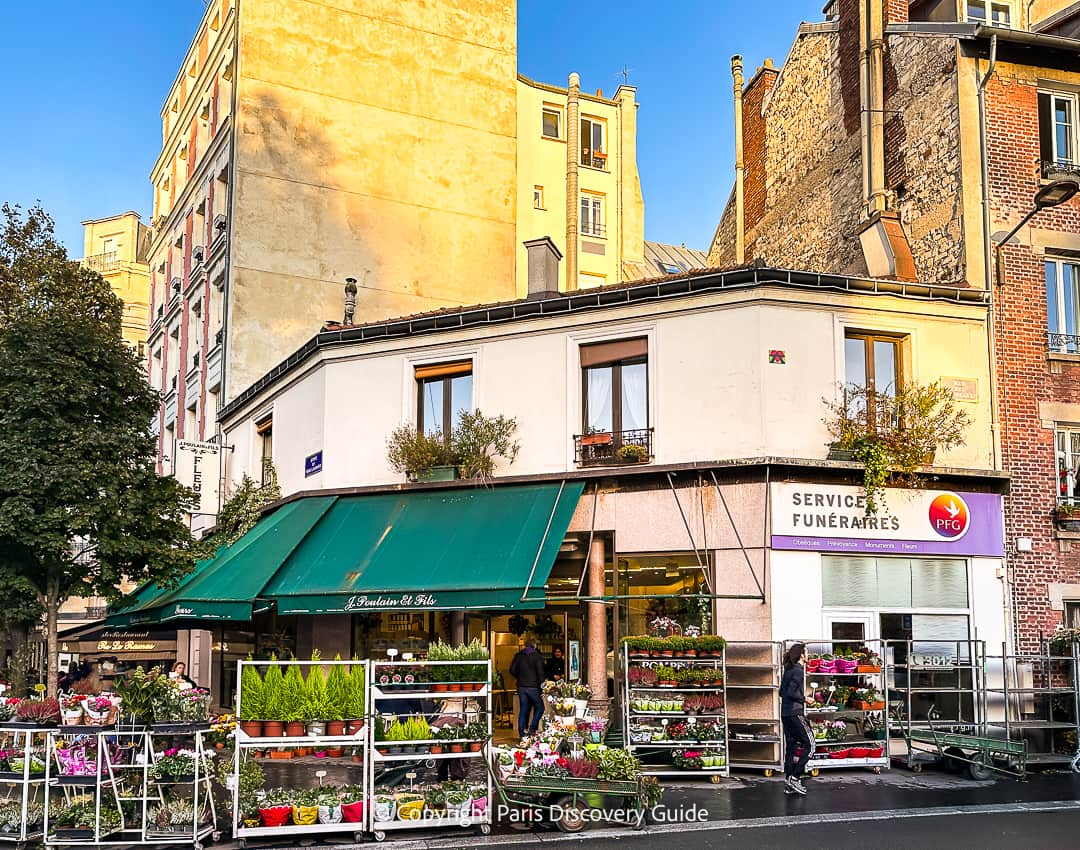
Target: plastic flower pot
412	810
305	815
335	752
252	728
868	668
354	726
858	752
330	814
436	749
354	812
440	687
875	752
479	806
295	729
457	748
273	729
843	665
474	746
275	815
385	810
281	754
839	754
335	727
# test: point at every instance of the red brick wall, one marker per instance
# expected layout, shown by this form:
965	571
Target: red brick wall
754	127
1024	373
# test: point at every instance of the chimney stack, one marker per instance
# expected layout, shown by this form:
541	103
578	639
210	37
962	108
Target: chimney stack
543	260
740	222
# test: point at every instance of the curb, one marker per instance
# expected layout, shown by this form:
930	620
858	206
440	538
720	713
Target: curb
625	833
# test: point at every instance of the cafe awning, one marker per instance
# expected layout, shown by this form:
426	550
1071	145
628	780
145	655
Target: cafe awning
224	587
484	547
489	548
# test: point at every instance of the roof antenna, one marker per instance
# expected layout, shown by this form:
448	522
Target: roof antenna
625	74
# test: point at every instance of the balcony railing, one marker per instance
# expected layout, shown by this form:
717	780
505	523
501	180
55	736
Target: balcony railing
102	263
1063	343
613	448
1052	170
593	229
594	159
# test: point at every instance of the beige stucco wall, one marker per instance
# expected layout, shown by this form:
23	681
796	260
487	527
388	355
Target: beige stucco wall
713	393
116	247
352	158
542	162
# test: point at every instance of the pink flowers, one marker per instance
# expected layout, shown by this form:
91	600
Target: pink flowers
172	751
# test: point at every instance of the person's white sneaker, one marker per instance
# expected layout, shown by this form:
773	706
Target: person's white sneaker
795	786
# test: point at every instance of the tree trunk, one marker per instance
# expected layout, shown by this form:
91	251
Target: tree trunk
20	658
52	644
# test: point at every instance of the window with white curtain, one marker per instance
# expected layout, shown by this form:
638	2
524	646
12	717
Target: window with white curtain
615	384
872	583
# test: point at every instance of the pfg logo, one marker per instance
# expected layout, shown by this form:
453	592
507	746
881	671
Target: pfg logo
949	516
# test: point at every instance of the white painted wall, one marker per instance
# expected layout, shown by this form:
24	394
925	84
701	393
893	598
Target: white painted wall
796	595
713	393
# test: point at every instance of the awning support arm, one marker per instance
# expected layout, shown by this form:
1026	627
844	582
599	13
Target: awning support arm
738	538
690	534
543	540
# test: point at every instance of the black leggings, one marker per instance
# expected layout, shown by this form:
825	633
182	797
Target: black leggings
796	735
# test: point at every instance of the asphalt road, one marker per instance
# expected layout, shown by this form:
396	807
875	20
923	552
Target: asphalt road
1007	831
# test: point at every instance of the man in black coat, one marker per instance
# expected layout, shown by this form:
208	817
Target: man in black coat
528	668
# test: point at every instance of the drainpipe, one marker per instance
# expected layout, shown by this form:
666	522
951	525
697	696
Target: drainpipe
573	202
872	77
991	327
740	225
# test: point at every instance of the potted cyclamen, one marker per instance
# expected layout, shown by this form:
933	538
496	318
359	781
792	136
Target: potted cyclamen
71	709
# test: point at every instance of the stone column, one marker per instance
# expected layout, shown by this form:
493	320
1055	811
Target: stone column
457	628
596	629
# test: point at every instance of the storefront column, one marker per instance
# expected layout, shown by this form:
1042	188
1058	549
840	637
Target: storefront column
596	635
457	628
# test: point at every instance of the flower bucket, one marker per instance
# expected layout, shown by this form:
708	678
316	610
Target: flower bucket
580	706
839	754
305	815
459	810
353	812
479	806
875	752
384	810
71	716
843	665
275	815
330	814
413	810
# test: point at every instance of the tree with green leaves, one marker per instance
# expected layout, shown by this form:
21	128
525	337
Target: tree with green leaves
20	611
82	508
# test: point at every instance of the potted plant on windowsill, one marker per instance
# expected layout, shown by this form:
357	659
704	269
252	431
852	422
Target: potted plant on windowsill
1067	517
594	437
632	453
893	434
421	457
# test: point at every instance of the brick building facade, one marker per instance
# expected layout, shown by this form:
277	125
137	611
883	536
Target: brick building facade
806	201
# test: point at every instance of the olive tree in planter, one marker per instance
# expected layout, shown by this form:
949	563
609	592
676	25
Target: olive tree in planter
893	434
420	456
478	440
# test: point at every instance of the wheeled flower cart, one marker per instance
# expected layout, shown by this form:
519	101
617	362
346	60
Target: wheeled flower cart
980	754
566	801
22	771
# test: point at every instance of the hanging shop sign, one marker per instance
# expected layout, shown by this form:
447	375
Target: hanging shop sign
830	518
198	466
378	602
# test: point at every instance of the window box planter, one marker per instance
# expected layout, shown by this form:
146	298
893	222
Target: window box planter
436	473
859	705
603	439
1067	518
837	453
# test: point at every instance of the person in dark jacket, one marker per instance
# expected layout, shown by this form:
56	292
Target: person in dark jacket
528	668
797	734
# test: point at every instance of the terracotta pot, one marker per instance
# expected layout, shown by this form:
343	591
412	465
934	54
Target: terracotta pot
335	727
281	754
354	726
303	752
454	687
273	729
474	746
335	752
295	729
436	749
357	758
440	688
219	746
252	728
457	748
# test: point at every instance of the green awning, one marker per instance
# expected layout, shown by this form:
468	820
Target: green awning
490	548
224	587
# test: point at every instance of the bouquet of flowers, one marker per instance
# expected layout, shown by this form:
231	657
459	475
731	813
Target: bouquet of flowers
8	705
173	764
687	759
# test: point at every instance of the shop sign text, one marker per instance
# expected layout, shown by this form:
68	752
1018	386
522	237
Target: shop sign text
125	646
404	600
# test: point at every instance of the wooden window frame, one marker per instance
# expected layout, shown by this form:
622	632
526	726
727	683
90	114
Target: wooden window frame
868	339
557	112
616	366
443	373
264	430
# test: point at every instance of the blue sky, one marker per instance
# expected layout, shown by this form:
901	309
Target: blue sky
82	85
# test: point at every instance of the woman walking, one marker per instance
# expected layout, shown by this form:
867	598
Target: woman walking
793	716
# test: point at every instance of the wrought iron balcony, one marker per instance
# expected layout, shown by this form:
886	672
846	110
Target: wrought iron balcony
1063	343
1062	168
591	228
102	263
594	159
613	448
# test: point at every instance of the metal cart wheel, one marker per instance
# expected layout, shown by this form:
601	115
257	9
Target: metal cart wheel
485	829
715	779
769	772
243	843
357	837
979	771
573	814
380	835
216	836
877	769
815	773
916	768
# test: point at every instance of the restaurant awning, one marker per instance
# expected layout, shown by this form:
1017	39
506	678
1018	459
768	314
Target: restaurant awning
490	548
224	587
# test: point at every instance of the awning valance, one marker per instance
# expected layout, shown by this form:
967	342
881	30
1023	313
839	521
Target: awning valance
490	548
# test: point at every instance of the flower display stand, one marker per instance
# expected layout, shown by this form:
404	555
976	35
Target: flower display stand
23	770
280	818
846	699
79	786
427	680
752	687
675	716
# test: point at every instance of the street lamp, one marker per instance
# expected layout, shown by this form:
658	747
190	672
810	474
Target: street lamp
1051	195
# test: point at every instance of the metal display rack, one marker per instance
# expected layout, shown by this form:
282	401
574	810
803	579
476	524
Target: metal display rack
27	784
122	762
1041	695
752	685
866	722
645	725
379	695
245	745
948	676
101	787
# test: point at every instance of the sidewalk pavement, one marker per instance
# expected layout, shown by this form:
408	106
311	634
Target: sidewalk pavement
747	800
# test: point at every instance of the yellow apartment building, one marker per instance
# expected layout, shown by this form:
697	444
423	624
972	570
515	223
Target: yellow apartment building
578	181
117	248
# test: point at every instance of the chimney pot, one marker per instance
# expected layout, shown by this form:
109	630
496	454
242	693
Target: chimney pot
543	264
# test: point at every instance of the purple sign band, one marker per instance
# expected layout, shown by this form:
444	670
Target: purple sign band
963	547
